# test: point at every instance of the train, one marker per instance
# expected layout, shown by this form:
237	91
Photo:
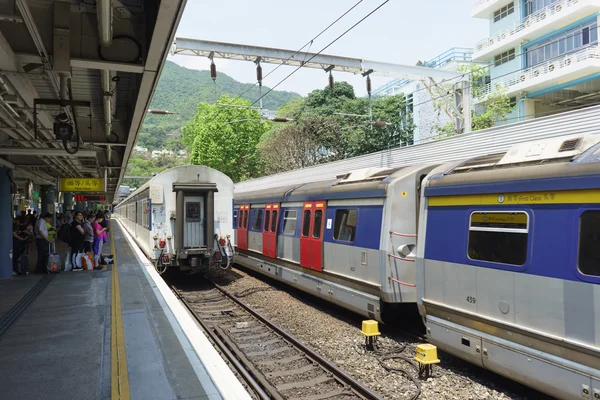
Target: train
181	219
498	254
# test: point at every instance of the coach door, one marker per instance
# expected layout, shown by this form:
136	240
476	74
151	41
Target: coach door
194	222
311	236
270	230
242	236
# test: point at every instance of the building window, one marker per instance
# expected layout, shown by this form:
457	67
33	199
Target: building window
498	237
290	218
345	225
257	216
567	42
409	103
532	6
589	243
512	102
504	57
504	12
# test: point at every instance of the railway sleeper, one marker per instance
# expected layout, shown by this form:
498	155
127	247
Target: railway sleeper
308	383
323	396
296	371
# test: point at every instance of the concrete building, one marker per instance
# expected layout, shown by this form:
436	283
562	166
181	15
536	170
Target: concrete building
419	100
542	53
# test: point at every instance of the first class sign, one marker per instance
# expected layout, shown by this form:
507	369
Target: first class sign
81	185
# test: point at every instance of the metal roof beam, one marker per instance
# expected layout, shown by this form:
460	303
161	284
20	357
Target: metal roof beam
87	63
232	51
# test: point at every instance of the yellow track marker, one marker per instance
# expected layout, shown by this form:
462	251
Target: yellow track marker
119	376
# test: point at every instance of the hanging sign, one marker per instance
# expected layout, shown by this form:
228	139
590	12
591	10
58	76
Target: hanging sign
81	185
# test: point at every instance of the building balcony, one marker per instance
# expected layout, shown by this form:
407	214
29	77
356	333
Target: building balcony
542	22
560	70
483	8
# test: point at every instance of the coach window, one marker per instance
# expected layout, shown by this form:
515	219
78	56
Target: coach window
235	218
290	218
589	243
498	237
267	219
345	225
318	223
306	223
257	216
273	221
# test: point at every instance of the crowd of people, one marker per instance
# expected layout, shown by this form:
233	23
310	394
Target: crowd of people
84	233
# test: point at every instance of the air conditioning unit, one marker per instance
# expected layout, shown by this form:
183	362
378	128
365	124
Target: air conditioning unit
503	36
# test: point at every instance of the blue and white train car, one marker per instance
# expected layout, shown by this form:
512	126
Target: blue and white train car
509	263
351	240
182	218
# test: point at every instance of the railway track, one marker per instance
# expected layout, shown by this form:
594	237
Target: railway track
272	362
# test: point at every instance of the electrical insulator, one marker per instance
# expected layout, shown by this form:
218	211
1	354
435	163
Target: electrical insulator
258	73
330	81
380	123
369	85
213	70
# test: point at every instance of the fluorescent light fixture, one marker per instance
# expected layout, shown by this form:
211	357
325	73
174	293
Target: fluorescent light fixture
32	151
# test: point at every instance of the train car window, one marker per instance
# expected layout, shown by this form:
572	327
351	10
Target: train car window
499	237
306	223
245	219
318	223
290	220
267	219
257	216
240	219
273	221
235	218
345	225
589	243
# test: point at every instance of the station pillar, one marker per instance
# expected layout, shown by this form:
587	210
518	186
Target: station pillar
47	199
5	224
67	202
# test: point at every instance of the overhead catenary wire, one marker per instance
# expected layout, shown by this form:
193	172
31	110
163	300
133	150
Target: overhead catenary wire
323	49
309	43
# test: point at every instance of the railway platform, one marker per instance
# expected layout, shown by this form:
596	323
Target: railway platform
118	333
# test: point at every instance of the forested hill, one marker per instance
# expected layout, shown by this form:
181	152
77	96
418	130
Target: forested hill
180	90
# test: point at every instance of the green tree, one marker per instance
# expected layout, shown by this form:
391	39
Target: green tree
226	138
495	107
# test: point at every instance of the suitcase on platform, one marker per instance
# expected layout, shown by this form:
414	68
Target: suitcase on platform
53	263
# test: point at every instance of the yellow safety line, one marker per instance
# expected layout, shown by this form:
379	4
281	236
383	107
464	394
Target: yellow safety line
119	376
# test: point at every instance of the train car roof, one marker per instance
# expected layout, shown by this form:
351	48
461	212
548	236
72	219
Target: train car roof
560	158
363	183
195	168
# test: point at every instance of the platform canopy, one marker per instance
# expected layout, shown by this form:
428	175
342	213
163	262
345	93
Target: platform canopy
82	69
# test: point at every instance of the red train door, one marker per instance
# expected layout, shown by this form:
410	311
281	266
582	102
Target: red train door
266	226
316	236
242	234
311	235
305	235
272	234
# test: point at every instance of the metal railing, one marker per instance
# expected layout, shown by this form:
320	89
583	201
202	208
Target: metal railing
539	70
538	17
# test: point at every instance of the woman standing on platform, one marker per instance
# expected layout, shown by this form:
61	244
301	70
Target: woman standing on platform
99	237
76	236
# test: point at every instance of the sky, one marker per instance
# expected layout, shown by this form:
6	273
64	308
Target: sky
401	32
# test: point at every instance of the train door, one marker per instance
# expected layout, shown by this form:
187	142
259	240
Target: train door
311	237
194	222
316	237
242	231
270	230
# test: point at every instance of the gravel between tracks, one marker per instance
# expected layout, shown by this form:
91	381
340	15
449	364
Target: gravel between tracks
335	334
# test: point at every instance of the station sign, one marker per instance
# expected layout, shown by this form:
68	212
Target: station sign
90	198
81	185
